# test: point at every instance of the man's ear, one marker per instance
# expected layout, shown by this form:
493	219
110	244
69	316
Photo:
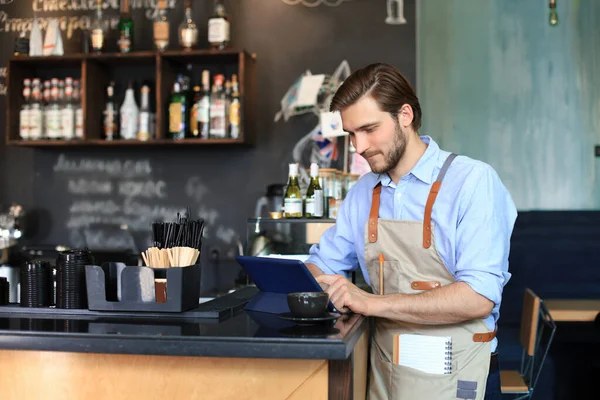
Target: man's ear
405	115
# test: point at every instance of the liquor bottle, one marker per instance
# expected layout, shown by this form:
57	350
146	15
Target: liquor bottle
125	28
314	194
98	34
177	113
36	119
110	114
53	123
194	126
188	31
204	106
45	107
78	110
129	115
24	112
68	111
234	109
218	120
144	131
161	27
292	202
218	27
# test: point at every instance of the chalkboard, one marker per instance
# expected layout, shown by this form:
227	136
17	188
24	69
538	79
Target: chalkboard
84	195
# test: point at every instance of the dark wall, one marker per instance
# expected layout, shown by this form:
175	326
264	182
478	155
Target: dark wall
219	183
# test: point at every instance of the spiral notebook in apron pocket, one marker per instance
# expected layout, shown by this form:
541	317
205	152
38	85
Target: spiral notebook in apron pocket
430	354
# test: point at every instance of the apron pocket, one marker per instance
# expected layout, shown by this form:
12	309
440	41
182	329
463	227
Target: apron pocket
409	383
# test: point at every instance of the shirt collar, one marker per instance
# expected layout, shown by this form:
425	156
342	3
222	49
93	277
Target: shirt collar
424	168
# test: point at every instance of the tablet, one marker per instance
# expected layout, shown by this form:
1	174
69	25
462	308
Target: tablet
279	275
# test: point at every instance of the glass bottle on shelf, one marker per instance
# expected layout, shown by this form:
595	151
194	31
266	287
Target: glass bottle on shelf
161	27
125	28
314	194
177	112
45	108
218	120
188	31
110	114
129	115
194	126
204	106
218	27
97	28
53	125
78	110
68	111
24	112
234	109
144	130
36	111
292	201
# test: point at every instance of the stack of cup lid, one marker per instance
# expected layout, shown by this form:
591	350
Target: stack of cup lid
36	284
4	291
70	278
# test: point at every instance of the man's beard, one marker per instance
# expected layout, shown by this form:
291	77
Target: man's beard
393	157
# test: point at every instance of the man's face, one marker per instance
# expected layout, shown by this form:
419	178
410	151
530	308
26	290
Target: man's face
375	134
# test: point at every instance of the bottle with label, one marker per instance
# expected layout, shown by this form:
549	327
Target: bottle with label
68	111
204	106
145	115
78	110
292	201
188	31
125	28
314	194
53	122
36	112
97	28
129	115
234	109
218	27
45	107
161	27
24	113
194	126
177	113
218	119
110	114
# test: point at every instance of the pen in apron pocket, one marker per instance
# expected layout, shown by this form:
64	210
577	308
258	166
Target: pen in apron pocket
381	273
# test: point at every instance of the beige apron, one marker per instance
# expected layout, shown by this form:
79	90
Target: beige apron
412	265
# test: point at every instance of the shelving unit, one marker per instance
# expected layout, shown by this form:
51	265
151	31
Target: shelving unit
158	69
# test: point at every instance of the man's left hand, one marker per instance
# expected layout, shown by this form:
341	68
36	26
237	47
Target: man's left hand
345	295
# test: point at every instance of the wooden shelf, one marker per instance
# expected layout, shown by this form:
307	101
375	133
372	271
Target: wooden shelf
159	69
124	143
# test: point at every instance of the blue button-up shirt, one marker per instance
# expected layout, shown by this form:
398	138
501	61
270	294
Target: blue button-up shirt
473	214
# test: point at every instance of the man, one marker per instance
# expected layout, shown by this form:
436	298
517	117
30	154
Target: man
441	224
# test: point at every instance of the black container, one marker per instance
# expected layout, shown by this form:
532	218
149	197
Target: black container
37	289
71	290
4	291
183	288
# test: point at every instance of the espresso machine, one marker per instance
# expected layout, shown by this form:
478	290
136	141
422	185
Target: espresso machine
11	225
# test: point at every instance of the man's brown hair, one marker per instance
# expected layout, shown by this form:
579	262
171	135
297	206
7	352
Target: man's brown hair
385	84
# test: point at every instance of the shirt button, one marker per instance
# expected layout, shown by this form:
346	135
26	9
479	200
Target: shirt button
398	195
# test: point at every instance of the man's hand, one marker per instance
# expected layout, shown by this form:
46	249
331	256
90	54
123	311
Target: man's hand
345	295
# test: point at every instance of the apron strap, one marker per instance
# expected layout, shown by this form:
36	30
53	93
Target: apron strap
374	214
435	188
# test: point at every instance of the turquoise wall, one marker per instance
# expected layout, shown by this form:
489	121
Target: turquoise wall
499	84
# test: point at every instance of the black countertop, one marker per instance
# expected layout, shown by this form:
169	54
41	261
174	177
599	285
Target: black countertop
246	334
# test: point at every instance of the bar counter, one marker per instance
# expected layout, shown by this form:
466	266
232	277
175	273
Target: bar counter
249	355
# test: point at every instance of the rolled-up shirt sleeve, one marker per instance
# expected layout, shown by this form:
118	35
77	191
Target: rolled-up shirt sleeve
483	235
335	253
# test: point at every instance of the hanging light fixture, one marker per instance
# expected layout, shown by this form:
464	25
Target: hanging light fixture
553	19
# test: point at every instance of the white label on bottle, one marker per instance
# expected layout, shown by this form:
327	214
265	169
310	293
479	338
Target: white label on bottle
318	207
128	125
79	123
292	206
53	123
35	124
24	124
203	110
144	122
218	30
68	123
217	119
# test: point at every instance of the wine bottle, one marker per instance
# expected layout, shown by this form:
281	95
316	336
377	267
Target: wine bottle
125	28
314	194
292	202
